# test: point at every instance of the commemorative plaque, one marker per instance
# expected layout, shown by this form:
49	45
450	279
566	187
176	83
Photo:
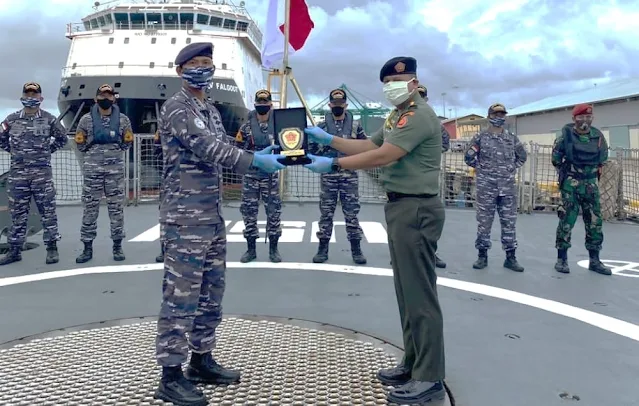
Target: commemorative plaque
289	125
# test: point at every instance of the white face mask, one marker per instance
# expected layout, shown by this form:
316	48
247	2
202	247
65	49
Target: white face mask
397	92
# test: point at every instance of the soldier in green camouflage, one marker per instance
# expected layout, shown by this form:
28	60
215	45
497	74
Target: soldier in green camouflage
578	154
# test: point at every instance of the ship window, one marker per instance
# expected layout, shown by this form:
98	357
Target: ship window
108	19
152	65
216	21
186	20
121	65
81	86
230	24
154	20
117	84
111	40
137	21
94	23
188	40
202	19
101	21
126	40
170	21
122	20
173	40
242	26
170	64
223	66
87	26
153	40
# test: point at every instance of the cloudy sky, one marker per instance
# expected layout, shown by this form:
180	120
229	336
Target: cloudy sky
476	52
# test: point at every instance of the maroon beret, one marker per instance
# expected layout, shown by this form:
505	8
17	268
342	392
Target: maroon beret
581	109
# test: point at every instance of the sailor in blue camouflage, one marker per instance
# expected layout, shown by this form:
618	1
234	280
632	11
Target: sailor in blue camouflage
254	135
342	185
195	148
496	154
102	136
157	154
423	91
30	136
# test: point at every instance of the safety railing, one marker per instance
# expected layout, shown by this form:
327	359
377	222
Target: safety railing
537	184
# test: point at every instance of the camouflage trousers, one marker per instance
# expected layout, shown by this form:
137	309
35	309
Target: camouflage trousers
22	184
254	190
192	290
488	200
576	194
109	182
344	186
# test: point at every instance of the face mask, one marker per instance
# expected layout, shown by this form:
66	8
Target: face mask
261	110
337	110
583	125
105	104
198	78
30	102
397	92
497	121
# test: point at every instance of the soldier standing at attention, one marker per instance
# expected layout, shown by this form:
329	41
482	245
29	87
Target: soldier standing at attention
255	135
195	148
342	184
496	154
578	154
102	136
30	136
157	153
445	147
408	150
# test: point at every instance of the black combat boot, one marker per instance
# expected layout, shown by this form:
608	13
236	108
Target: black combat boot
86	254
204	369
322	252
395	376
596	265
52	253
511	262
160	258
14	255
273	253
176	389
356	252
118	254
562	262
439	263
482	260
250	253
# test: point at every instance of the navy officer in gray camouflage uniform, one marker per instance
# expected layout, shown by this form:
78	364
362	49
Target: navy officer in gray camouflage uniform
102	136
254	135
30	136
195	147
439	263
496	154
342	184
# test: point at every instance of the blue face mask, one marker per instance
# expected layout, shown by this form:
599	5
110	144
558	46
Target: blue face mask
497	121
30	102
198	78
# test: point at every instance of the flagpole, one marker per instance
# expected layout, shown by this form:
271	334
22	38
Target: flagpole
287	34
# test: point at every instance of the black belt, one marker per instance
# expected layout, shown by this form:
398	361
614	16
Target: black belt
394	196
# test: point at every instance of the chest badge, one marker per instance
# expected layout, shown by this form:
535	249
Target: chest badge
199	123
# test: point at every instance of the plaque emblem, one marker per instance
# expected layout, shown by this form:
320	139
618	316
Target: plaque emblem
291	140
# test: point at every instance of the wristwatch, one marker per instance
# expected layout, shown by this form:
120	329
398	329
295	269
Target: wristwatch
335	165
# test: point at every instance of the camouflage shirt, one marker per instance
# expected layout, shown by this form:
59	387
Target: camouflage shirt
445	140
103	154
31	138
195	148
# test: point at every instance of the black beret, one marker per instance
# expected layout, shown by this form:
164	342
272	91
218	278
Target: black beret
337	95
263	95
400	65
192	50
31	87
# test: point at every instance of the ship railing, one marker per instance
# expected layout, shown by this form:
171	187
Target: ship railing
132	70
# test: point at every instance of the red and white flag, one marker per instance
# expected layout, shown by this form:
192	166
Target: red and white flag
300	27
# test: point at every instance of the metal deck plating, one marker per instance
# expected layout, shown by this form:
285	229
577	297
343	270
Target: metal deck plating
283	362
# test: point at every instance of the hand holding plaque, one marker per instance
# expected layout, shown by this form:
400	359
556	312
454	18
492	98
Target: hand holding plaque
289	125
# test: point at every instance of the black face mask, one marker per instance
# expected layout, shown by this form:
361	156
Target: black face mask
261	110
337	110
105	104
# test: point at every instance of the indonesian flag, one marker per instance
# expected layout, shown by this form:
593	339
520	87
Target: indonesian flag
300	26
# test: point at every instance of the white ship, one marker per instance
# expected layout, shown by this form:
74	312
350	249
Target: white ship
132	45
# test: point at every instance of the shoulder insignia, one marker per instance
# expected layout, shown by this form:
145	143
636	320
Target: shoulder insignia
239	137
128	136
199	123
156	136
403	120
79	137
5	126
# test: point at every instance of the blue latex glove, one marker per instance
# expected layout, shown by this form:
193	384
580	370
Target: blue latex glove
320	164
267	150
267	162
318	136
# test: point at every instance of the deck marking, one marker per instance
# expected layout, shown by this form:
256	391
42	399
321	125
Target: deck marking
619	268
615	326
